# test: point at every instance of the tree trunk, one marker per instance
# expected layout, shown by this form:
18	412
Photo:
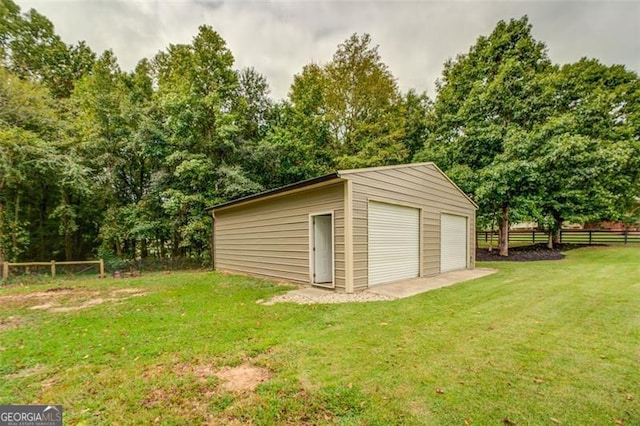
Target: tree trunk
2	255
161	248
554	236
491	240
493	226
68	244
175	245
144	248
16	225
503	232
42	252
66	220
554	231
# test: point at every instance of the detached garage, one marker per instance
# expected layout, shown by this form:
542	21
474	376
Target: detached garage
349	230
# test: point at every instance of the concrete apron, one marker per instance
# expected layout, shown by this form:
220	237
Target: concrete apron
408	288
397	290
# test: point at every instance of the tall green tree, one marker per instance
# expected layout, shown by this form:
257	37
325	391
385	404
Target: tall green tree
417	110
19	120
362	103
30	163
300	143
103	126
118	128
39	73
488	100
196	93
252	105
347	113
30	48
586	153
255	114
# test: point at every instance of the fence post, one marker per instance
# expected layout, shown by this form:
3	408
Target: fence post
53	269
560	235
533	236
5	271
626	236
101	268
590	236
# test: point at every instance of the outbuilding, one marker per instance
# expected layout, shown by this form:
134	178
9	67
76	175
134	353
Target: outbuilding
349	230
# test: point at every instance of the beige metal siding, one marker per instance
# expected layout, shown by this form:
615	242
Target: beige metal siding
422	186
270	238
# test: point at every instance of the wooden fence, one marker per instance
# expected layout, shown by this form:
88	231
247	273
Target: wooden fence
567	236
52	265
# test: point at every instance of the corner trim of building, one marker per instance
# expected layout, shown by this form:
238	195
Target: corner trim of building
348	236
213	241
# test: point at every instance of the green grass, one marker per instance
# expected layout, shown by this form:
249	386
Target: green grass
512	244
537	343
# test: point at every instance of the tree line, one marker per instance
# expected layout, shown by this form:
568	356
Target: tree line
100	162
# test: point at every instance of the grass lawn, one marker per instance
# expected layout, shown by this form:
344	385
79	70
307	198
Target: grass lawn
540	343
486	244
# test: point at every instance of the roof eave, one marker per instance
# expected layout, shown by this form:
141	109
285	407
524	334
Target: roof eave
399	166
277	191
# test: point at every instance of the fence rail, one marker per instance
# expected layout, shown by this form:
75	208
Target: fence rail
568	236
52	264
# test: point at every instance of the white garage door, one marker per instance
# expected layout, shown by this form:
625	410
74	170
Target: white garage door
394	243
453	242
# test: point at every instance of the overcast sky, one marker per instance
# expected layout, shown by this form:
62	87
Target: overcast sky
279	37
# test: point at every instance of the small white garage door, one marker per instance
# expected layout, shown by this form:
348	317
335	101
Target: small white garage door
453	242
394	243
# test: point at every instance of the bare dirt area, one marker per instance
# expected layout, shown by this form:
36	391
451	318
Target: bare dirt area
10	322
205	383
36	370
526	253
65	299
202	372
242	378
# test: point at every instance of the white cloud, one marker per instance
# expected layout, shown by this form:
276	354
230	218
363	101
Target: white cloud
278	38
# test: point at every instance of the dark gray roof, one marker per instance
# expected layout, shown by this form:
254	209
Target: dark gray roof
289	187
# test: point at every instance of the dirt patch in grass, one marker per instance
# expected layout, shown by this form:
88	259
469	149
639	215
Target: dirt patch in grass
202	372
44	306
84	305
10	322
28	372
45	295
66	299
126	291
57	289
526	253
180	401
242	378
198	388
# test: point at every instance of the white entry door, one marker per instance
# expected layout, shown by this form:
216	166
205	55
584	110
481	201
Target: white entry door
394	242
322	246
453	242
